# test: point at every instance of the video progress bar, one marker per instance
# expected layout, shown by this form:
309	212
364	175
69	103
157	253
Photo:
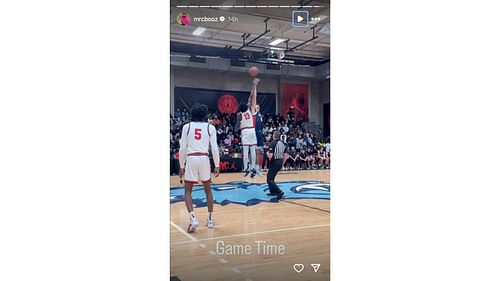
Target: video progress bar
246	6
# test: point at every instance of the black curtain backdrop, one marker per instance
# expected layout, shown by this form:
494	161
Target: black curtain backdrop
221	100
326	119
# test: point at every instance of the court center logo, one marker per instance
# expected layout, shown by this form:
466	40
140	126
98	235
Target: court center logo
248	194
183	18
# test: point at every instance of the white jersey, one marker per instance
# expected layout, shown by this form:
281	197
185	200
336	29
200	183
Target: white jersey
246	120
248	136
196	139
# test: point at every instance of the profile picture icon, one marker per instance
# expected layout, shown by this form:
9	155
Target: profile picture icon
183	18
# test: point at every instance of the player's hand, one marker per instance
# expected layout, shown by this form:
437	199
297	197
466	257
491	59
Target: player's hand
181	172
216	172
256	81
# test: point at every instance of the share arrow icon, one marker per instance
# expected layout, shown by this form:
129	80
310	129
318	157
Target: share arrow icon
315	266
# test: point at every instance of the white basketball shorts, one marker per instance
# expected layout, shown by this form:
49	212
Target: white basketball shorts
248	137
197	169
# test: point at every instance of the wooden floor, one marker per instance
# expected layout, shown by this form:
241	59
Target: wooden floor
300	225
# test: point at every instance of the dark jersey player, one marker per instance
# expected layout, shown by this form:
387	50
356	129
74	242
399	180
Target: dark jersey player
257	121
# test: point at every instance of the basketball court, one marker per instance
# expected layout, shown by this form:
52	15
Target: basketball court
300	222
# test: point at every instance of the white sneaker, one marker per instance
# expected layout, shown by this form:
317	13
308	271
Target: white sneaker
259	172
210	223
193	225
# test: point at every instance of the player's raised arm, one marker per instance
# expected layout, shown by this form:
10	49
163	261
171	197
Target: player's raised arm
238	121
252	100
215	148
183	146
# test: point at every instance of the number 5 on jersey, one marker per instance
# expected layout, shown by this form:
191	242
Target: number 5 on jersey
197	134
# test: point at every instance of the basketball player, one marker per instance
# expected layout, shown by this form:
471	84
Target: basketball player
257	117
248	136
196	138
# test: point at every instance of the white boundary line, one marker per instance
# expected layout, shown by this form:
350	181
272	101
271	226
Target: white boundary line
253	233
193	239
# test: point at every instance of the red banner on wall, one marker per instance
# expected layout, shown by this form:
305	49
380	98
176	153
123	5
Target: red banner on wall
296	96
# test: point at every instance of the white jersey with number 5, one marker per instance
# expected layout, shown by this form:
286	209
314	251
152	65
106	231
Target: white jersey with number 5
248	136
197	138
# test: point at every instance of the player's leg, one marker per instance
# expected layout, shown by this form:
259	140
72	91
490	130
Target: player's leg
207	182
253	159
210	203
193	222
188	199
245	160
190	178
260	160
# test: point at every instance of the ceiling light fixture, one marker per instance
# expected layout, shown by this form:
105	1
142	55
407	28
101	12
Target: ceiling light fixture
276	41
199	30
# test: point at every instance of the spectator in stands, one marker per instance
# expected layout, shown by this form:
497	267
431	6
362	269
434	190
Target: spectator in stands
327	147
291	113
265	160
291	163
309	140
285	128
310	157
184	113
302	159
321	158
300	142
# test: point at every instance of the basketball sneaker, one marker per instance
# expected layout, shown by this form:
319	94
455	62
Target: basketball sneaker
253	173
210	223
280	195
193	224
247	172
259	172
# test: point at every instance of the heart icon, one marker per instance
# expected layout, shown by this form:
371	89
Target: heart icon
298	267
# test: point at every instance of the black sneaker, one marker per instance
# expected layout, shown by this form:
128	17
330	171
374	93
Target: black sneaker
253	173
281	195
246	173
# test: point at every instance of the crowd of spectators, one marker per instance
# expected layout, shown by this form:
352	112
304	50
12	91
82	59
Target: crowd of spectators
306	150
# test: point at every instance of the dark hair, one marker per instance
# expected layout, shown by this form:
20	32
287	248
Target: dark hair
199	112
243	107
276	134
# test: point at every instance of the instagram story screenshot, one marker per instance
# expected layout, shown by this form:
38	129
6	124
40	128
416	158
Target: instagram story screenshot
250	140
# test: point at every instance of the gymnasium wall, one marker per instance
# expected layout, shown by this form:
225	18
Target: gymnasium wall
324	97
319	91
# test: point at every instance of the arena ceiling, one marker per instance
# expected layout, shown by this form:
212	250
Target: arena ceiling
248	38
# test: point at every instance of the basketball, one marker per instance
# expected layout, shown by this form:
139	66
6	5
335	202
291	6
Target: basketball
253	71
